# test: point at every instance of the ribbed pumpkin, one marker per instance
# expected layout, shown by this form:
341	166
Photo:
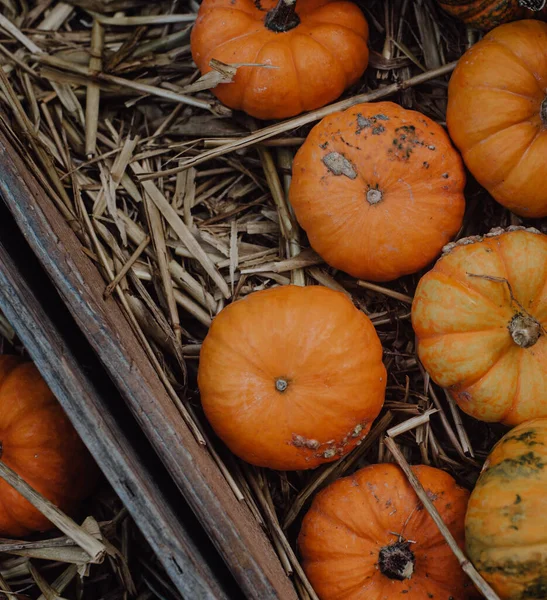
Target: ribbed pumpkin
368	536
39	443
316	48
497	114
379	190
506	521
480	316
291	377
487	14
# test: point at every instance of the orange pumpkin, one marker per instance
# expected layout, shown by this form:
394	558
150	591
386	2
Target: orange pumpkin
379	190
311	54
480	316
368	536
39	443
291	377
497	114
506	521
486	14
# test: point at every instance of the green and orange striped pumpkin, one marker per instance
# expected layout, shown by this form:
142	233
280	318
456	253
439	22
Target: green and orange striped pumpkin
487	14
506	520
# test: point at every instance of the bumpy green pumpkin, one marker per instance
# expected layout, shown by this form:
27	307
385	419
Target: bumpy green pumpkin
487	14
506	520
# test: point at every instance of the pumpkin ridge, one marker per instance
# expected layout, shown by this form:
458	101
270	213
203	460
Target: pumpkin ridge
329	50
243	35
508	174
492	134
515	398
489	88
505	262
296	73
473	381
520	60
249	88
454	274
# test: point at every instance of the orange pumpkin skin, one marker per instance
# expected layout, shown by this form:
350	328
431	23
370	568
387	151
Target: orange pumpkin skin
350	533
487	14
379	190
487	349
506	521
40	444
291	377
497	114
315	61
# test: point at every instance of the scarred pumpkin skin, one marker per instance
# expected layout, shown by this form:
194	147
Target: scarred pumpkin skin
497	114
291	377
314	62
487	348
506	521
40	444
379	190
348	539
487	14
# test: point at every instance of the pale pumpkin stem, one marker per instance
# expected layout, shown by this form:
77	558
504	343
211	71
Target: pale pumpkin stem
281	384
374	197
524	330
397	561
543	111
283	17
534	5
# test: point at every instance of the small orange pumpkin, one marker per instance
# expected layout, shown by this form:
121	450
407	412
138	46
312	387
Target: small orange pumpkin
291	377
480	316
486	14
314	49
506	521
368	536
497	114
379	190
40	444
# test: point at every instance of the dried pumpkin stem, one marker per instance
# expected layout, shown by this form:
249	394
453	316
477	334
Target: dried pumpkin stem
524	330
543	111
534	5
283	17
397	561
374	196
281	384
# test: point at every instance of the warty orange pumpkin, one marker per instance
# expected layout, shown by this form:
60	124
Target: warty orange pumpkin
313	50
291	377
40	444
379	190
487	14
497	114
506	521
480	316
369	536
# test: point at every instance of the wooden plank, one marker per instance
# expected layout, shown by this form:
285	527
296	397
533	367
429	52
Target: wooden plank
91	416
229	523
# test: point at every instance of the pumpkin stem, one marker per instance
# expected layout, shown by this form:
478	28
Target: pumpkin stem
524	330
534	5
283	17
374	196
397	561
281	384
543	111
